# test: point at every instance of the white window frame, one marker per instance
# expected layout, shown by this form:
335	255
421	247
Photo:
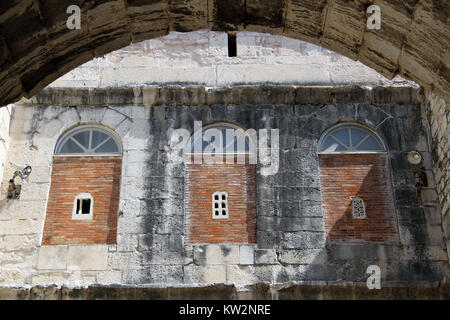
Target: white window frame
249	141
356	211
81	216
88	152
351	149
220	194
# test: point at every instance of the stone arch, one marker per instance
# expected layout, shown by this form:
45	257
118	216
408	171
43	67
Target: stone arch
36	46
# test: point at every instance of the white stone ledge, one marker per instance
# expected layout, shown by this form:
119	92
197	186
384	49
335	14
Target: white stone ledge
73	258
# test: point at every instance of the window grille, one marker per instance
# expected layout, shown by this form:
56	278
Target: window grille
220	205
358	208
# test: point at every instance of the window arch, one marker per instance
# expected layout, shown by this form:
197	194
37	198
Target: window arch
233	140
220	184
85	188
89	140
357	193
351	138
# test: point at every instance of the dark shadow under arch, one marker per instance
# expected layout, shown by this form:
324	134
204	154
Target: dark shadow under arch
36	46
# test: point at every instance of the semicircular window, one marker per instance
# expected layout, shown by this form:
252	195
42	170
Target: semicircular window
88	140
351	138
219	139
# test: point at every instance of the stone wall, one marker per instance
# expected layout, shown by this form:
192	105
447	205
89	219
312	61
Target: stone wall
438	115
259	291
201	58
291	239
5	118
37	47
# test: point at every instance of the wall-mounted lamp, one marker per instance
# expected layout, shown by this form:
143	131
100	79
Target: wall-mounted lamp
13	189
414	157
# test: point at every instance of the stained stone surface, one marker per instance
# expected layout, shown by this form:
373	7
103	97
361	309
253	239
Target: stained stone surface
291	240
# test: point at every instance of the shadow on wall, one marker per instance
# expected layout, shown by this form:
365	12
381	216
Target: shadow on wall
306	254
344	177
352	245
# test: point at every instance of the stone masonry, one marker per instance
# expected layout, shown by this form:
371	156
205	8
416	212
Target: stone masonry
146	91
291	240
438	115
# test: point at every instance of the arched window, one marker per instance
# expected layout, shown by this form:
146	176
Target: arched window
85	188
88	140
357	192
221	138
351	138
221	185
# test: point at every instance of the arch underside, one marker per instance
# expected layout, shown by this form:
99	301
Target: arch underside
36	47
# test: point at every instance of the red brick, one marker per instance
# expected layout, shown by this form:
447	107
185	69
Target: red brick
345	176
236	179
99	176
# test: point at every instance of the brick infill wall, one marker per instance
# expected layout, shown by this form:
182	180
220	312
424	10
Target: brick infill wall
99	176
236	179
344	176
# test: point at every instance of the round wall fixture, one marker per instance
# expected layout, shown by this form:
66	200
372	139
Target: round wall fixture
414	157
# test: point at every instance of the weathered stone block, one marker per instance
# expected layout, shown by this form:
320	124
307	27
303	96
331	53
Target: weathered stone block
109	277
18	242
302	224
207	274
155	274
127	242
87	257
14	293
245	275
268	240
52	257
45	293
263	256
216	254
348	252
247	254
306	256
303	239
429	196
20	227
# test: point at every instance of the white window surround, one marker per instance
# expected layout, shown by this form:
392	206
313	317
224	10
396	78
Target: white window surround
220	205
358	208
79	215
350	137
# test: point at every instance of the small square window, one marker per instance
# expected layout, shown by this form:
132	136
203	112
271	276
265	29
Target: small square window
83	208
220	201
